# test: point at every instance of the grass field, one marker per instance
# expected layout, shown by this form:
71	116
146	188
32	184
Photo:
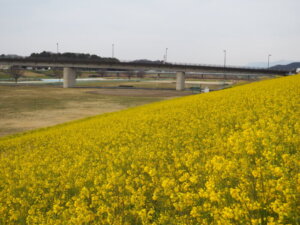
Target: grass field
225	157
33	74
26	74
28	107
4	75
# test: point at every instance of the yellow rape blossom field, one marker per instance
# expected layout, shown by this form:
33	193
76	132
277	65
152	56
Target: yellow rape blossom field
226	157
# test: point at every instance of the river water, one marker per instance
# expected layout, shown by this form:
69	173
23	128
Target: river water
79	80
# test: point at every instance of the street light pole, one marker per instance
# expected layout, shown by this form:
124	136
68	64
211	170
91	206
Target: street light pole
57	47
166	55
225	58
113	50
269	60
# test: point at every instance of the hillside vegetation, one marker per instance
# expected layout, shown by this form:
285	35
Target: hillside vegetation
226	157
291	66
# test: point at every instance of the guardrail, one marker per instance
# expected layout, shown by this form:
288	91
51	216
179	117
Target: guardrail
200	64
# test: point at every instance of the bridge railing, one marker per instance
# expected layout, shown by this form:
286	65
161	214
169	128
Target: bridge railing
133	63
199	65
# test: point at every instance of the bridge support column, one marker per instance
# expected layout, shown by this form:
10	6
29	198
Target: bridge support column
180	81
69	77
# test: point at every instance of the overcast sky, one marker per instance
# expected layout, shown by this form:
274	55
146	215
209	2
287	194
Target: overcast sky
195	31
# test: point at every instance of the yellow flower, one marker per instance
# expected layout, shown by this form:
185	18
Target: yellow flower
229	156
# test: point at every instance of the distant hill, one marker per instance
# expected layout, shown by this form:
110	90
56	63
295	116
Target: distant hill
291	66
265	64
147	61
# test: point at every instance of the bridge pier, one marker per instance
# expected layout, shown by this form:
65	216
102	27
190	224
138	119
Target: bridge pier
180	81
69	77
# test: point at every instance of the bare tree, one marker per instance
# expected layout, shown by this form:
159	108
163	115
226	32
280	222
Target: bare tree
158	76
57	72
16	72
130	74
79	73
140	73
102	72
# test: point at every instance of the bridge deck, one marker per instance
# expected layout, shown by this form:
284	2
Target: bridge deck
96	64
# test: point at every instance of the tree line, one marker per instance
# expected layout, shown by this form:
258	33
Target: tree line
71	55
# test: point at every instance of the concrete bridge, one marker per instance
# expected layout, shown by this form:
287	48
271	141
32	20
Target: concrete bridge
70	65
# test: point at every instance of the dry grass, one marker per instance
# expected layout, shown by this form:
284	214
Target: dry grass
29	73
25	108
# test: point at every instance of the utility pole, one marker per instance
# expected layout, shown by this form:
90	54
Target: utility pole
166	55
113	50
269	60
224	58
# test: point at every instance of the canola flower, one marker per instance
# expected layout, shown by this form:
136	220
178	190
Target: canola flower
226	157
